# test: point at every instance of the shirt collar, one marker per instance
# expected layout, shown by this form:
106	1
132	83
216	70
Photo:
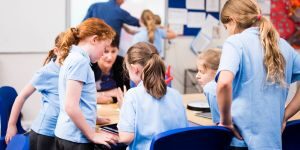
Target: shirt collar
80	51
140	84
252	30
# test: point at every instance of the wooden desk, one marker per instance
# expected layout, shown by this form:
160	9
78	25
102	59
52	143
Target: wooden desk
111	111
191	114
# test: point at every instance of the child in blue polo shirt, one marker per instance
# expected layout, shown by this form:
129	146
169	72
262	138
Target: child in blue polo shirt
207	64
254	74
46	82
76	123
151	107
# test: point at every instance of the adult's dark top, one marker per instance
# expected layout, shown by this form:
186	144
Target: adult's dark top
112	14
116	78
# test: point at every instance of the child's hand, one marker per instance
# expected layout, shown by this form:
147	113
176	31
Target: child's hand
102	121
11	131
233	129
105	139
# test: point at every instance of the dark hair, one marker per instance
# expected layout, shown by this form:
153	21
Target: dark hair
51	54
89	27
115	42
153	74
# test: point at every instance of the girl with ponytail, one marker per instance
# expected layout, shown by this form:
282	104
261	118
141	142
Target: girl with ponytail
255	71
76	123
46	82
151	33
149	108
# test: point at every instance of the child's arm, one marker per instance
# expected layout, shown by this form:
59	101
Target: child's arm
15	111
73	93
292	108
126	137
129	31
224	98
170	33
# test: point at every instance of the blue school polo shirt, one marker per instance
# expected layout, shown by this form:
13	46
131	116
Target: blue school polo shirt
159	35
76	67
46	82
146	116
210	93
257	106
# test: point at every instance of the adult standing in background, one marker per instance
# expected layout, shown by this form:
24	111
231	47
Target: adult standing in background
113	15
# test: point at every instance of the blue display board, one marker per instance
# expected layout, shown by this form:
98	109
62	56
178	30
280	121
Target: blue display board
182	4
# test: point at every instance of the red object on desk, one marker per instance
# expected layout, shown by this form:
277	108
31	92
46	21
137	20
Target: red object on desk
169	78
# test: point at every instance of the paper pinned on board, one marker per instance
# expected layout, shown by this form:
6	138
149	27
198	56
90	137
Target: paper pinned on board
195	4
200	43
208	25
212	5
205	36
195	19
177	28
177	16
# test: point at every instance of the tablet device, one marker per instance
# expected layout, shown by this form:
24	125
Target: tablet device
204	115
112	128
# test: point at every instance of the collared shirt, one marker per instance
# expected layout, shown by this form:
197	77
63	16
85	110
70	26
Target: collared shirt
159	35
257	106
210	93
112	14
46	82
76	67
146	116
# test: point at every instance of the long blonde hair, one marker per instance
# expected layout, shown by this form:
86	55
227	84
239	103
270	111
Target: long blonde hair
51	53
149	21
153	74
89	27
247	13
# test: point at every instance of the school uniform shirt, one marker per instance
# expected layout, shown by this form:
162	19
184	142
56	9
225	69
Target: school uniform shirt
210	93
76	67
112	14
142	36
146	116
46	82
257	106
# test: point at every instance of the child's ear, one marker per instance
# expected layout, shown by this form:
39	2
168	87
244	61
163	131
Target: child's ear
55	50
94	39
134	68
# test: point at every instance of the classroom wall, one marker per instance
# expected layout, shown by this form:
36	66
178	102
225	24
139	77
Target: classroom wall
16	71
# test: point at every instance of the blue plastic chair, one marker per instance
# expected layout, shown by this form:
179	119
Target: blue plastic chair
7	98
291	136
19	142
200	138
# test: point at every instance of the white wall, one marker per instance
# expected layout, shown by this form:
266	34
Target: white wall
16	71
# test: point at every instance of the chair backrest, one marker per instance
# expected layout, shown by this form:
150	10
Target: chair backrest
7	98
291	136
200	138
19	142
